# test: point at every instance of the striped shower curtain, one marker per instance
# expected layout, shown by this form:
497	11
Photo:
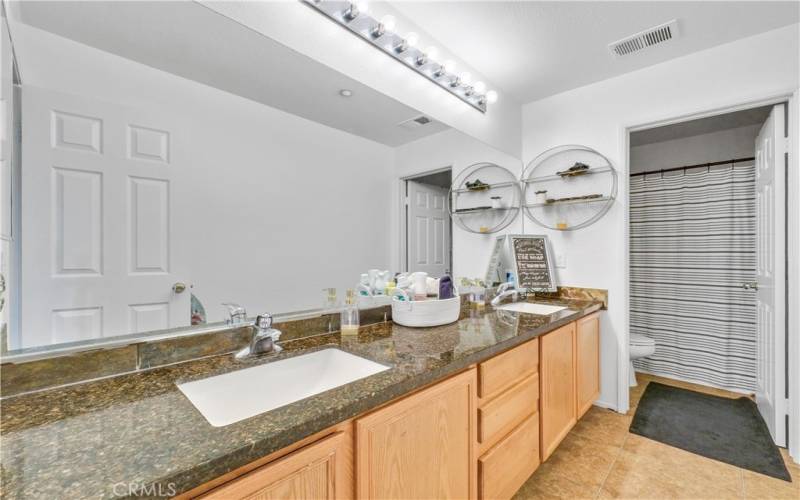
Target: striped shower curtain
692	247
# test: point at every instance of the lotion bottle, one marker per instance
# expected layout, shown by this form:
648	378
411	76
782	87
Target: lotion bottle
348	319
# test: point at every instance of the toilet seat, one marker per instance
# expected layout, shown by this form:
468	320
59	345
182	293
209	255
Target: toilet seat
641	340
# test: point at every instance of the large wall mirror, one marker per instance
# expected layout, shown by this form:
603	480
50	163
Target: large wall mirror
167	160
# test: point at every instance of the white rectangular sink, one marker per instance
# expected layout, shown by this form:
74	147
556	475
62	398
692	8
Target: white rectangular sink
531	308
231	397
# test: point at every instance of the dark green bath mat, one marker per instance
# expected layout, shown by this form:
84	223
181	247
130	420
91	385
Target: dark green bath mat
728	430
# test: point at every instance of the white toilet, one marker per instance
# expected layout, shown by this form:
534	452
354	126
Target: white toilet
640	347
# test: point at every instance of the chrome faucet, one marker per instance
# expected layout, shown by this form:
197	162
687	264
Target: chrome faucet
236	314
503	291
264	340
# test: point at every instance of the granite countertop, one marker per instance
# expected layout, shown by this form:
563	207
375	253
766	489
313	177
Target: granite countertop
95	439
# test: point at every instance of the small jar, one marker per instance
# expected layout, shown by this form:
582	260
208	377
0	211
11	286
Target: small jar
541	196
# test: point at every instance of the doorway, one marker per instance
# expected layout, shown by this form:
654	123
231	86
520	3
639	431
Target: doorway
428	229
707	254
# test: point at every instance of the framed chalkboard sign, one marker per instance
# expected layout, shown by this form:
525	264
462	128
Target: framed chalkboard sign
533	264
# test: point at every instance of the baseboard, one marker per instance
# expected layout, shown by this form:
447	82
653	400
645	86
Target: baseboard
607	405
692	381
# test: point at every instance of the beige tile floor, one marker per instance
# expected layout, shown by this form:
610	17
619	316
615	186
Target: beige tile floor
601	459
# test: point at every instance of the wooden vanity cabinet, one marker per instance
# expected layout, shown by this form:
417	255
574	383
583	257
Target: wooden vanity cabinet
587	362
321	470
478	434
422	446
557	374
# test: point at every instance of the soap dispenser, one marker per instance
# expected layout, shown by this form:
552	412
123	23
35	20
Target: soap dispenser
349	321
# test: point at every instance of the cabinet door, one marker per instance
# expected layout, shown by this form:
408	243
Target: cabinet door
321	470
557	395
421	447
587	367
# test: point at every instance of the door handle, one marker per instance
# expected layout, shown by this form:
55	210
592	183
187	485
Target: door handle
750	285
179	287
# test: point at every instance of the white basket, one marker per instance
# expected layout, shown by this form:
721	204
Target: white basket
420	313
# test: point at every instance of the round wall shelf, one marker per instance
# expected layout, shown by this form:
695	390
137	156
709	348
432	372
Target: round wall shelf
568	187
485	198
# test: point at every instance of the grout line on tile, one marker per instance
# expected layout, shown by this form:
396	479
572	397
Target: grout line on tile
611	467
744	491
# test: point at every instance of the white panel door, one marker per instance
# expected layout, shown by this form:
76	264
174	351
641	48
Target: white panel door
428	229
771	275
98	212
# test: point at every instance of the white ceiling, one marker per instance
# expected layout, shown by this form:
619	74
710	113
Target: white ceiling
192	41
534	49
700	126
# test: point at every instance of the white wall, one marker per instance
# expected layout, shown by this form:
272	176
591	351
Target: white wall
454	149
278	206
597	115
705	148
297	26
6	91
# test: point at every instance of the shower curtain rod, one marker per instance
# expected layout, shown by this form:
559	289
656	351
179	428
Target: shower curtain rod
712	164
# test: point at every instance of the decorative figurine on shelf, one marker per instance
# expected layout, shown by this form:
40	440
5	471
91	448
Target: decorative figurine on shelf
477	185
577	169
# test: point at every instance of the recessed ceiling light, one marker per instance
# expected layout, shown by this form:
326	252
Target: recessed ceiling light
346	93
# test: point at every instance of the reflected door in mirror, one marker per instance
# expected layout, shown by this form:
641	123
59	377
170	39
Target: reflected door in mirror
428	229
99	204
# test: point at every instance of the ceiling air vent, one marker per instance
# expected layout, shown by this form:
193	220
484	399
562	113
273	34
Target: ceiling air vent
643	39
416	122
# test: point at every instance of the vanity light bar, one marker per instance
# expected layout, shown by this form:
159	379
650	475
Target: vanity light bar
380	34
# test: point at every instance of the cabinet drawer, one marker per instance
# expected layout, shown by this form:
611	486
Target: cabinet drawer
500	415
503	469
505	369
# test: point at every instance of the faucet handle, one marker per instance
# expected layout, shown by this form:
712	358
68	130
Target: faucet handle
236	313
505	286
264	321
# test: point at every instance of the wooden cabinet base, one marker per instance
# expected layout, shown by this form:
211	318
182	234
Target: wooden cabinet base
506	467
587	362
422	446
557	395
322	470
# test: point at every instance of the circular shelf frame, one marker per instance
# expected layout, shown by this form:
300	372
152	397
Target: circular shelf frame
486	218
589	208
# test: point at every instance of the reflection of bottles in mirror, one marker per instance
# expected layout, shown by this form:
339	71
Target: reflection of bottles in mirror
476	290
329	300
349	320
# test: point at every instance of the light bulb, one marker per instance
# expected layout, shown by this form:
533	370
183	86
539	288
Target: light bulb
479	87
491	96
449	66
355	9
431	52
388	22
412	39
465	78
